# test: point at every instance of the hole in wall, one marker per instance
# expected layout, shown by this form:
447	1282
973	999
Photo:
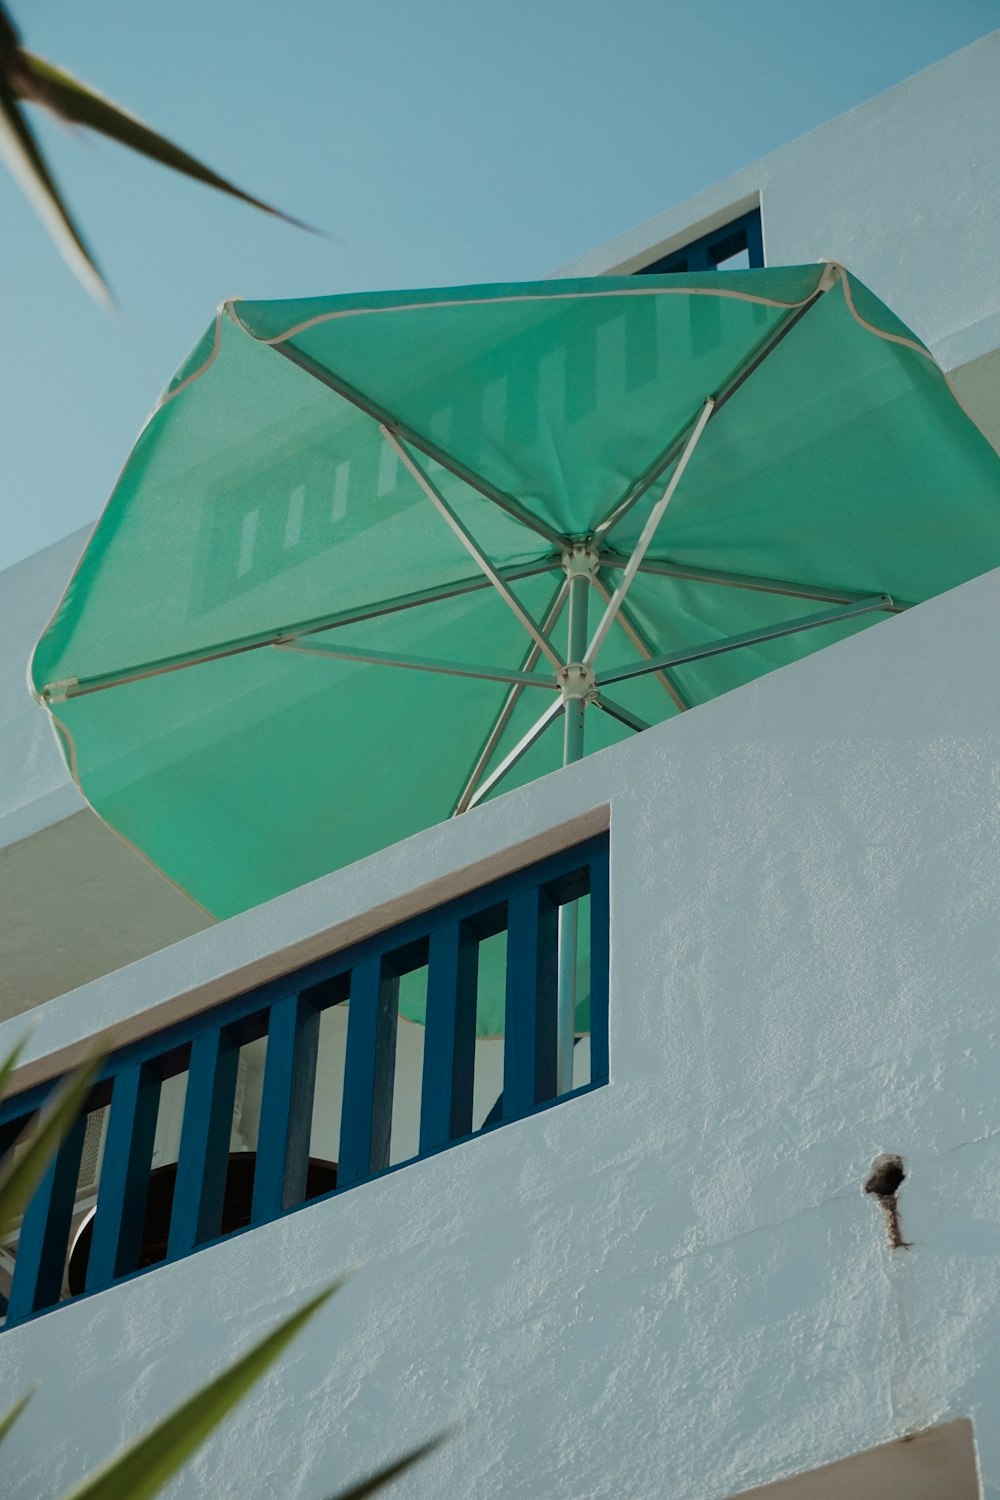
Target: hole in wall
885	1178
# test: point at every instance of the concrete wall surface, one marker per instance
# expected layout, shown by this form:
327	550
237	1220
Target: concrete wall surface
901	189
674	1285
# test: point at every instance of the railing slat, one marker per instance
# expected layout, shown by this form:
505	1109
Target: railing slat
121	1195
366	1115
41	1249
600	954
449	1037
203	1159
529	1054
286	1107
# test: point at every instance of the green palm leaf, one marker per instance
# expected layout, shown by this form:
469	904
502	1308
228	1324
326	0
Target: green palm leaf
41	82
8	1064
25	77
22	1172
376	1482
144	1467
9	1418
21	154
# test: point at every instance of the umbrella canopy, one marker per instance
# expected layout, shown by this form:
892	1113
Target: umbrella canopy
375	558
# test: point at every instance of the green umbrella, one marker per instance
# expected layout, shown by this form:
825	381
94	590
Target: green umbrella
375	558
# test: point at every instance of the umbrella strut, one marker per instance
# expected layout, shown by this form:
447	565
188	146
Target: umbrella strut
577	684
648	532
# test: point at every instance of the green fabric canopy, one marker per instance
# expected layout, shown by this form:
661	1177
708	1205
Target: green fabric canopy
336	495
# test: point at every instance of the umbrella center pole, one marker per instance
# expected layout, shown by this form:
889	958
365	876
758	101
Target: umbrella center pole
576	679
577	685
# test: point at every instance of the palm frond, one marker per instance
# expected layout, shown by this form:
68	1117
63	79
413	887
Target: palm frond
143	1468
10	1417
21	153
21	1173
376	1482
41	82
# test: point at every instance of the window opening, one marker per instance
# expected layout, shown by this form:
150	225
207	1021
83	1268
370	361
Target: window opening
328	1097
736	246
408	1071
487	1095
244	1130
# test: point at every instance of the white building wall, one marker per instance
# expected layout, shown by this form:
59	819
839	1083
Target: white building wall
673	1285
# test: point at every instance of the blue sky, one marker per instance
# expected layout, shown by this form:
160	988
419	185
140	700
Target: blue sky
436	141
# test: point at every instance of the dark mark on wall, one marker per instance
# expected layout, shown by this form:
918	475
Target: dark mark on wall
886	1176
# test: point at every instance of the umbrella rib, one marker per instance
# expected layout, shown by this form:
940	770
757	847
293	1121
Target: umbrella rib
644	648
509	704
648	531
433	595
882	603
78	687
736	378
415	663
783	587
472	547
425	445
639	487
512	757
623	715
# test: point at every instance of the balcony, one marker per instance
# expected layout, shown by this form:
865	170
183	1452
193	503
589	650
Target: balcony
472	1014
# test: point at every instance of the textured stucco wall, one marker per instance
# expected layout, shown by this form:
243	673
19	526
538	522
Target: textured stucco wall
902	189
674	1285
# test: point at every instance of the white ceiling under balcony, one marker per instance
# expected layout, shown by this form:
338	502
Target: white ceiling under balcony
75	902
78	903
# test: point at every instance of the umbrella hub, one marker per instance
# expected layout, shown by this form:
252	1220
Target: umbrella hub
577	682
581	560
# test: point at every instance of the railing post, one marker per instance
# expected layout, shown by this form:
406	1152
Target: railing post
449	1037
121	1194
369	1071
41	1248
286	1107
203	1159
600	955
530	1031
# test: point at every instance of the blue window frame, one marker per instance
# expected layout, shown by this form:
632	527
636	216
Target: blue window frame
733	246
208	1190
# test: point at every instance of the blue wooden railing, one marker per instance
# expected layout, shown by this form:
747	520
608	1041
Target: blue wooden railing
288	1012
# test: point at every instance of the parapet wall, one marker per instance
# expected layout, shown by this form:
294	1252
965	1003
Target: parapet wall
674	1284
